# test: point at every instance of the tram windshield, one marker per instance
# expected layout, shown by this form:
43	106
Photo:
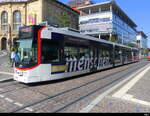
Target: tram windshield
27	52
27	46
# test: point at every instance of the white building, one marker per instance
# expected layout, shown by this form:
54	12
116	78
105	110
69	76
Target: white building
142	43
106	20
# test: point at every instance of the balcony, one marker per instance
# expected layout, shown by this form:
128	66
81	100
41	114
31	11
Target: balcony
107	13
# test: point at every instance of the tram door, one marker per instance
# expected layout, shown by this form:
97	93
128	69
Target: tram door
118	56
93	57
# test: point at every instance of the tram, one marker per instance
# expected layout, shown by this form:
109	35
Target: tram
49	53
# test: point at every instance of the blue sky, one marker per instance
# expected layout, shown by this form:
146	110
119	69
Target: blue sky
137	10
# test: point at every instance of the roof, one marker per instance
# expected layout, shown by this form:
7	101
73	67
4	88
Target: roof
142	34
79	11
66	6
20	1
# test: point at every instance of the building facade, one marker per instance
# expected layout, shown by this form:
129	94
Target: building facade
79	3
16	13
142	43
107	21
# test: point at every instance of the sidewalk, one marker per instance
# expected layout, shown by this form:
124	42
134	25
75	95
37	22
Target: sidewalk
6	72
133	96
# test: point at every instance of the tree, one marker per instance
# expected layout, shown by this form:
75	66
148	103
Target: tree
113	39
131	44
64	20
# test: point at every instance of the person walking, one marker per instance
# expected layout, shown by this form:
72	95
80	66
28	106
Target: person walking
17	57
12	58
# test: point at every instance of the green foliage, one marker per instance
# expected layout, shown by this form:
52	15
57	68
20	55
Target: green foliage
113	39
131	44
64	20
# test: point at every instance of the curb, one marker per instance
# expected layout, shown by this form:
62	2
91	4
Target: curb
6	79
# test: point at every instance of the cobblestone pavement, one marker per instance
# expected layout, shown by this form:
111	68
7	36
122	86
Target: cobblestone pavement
68	95
6	71
136	99
5	64
116	105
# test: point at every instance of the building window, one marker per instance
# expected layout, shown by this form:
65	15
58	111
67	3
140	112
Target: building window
16	20
4	20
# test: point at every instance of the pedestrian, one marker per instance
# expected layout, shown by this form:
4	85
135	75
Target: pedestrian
16	57
12	58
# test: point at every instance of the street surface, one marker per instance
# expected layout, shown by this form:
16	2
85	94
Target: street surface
121	89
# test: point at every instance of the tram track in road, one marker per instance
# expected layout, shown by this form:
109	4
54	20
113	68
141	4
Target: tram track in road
78	87
93	92
11	88
26	86
7	84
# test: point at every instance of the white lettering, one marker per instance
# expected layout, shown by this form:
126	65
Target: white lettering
83	63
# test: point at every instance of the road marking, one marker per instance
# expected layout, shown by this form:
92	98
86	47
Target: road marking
131	98
29	109
15	103
18	104
139	101
9	100
89	107
130	84
2	96
127	96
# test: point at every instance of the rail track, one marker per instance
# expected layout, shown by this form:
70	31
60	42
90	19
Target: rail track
49	97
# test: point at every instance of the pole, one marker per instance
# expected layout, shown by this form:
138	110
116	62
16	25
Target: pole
122	38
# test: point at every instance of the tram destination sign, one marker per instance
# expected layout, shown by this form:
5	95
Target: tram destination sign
25	32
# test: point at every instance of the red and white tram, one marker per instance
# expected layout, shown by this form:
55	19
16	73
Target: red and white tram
48	53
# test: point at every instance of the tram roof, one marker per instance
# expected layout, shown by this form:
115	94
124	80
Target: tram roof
87	37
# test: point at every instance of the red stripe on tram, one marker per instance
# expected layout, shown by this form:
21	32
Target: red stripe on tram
39	51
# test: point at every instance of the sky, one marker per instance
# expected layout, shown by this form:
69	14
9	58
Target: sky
137	10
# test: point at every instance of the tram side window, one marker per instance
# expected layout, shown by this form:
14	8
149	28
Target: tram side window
100	53
75	52
118	55
70	52
104	53
83	52
50	51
